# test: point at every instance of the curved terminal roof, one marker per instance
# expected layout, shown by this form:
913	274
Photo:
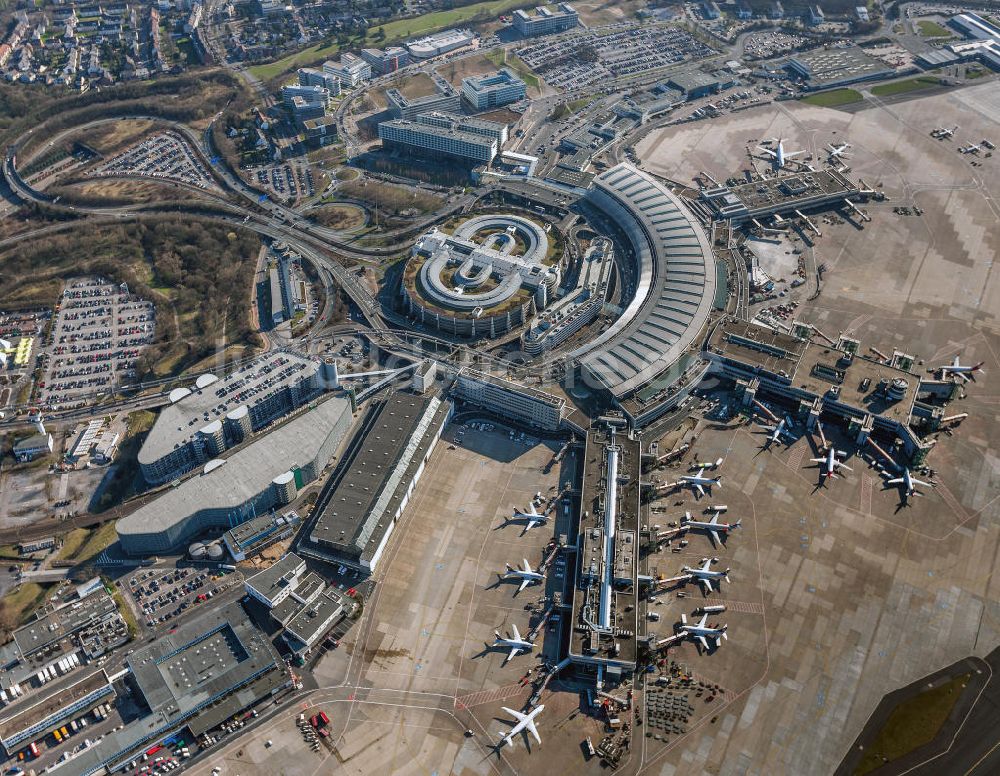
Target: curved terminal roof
675	286
240	412
205	380
179	393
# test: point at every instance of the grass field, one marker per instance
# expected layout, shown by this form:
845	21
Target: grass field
18	605
394	31
902	87
564	109
834	98
912	724
85	544
931	29
503	58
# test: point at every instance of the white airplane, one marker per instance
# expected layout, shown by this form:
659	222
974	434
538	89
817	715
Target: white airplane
698	482
531	518
944	132
515	643
705	576
524	722
778	431
702	633
909	483
713	527
706	464
837	152
779	154
830	463
971	148
525	574
965	372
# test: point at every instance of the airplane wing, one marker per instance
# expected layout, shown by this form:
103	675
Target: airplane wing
921	482
818	460
707	584
531	508
895	481
524	584
768	151
715	518
526	566
513	653
708	564
701	490
704	642
701	472
715	538
843	466
515	714
789	154
517	636
704	619
533	730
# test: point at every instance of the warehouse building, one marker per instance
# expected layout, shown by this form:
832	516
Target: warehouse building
51	627
491	91
521	403
33	447
365	496
443	135
545	21
836	67
198	675
206	419
261	476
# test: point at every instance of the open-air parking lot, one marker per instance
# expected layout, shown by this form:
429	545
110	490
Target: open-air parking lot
98	333
617	51
166	155
161	595
286	181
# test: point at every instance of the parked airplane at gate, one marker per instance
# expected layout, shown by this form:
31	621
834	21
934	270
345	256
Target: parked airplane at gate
713	527
515	643
701	633
524	722
778	154
909	483
531	518
776	432
957	368
704	576
837	152
525	574
830	464
698	482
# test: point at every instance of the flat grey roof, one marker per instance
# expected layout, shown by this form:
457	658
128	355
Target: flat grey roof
314	617
353	516
675	288
245	473
272	579
62	622
428	130
189	412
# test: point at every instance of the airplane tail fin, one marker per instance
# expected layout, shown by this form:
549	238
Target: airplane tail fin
738	523
726	576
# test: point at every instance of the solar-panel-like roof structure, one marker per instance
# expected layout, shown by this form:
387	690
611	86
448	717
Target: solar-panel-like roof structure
674	288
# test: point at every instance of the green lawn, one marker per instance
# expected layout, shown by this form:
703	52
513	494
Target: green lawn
502	58
902	87
931	29
833	98
912	724
85	544
394	31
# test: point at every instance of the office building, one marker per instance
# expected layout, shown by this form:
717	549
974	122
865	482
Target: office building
312	95
50	627
320	131
364	498
273	585
545	21
302	111
384	61
351	70
212	415
309	76
261	476
439	43
522	404
445	99
487	92
258	534
432	135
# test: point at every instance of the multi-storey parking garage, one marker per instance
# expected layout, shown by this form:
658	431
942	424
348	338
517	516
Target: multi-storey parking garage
674	281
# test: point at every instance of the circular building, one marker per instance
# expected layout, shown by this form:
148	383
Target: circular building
484	280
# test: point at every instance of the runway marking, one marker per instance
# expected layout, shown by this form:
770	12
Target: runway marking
867	487
952	503
744	607
488	696
794	460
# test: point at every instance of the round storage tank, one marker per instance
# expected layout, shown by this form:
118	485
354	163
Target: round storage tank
197	550
215	551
